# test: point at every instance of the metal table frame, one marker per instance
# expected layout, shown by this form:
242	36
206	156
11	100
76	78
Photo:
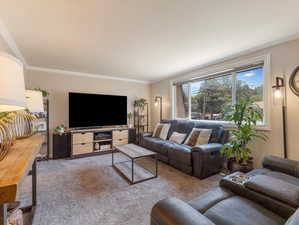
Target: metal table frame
131	181
30	208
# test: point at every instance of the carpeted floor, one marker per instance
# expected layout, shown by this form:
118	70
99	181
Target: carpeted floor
89	191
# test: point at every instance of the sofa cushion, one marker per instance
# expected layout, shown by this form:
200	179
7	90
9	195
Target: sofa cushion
285	177
198	136
278	175
208	199
177	137
181	126
156	145
240	211
179	153
275	188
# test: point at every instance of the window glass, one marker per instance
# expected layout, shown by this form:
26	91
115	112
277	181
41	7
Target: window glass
210	97
249	87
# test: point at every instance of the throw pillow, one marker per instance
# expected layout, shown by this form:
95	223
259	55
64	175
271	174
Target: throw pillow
164	131
177	137
161	130
157	130
198	136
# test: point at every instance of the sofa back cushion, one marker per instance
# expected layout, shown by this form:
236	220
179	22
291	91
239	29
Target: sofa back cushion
198	136
217	130
181	126
218	135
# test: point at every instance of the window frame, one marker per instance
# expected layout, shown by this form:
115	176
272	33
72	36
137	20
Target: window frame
267	90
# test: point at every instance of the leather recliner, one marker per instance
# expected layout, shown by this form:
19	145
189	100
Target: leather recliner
269	197
200	161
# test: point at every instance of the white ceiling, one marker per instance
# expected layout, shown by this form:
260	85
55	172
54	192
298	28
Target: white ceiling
143	39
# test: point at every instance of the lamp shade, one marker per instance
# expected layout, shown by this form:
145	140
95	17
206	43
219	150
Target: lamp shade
12	86
34	100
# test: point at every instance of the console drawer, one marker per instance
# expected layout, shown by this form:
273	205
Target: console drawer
79	138
120	134
82	148
117	142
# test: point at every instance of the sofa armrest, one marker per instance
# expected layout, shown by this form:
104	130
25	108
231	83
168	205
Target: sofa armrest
147	134
173	211
275	188
287	166
207	160
208	148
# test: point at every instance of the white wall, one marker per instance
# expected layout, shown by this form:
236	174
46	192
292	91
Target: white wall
58	85
4	47
284	59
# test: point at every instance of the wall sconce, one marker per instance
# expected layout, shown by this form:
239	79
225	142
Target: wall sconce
279	84
278	94
158	100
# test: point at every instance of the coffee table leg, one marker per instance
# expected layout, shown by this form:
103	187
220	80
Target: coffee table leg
156	165
132	171
112	157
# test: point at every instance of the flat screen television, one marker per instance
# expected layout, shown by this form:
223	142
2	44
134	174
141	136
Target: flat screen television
95	110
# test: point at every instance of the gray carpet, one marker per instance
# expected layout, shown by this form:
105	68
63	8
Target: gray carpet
88	191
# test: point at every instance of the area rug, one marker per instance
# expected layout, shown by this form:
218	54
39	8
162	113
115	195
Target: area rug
88	191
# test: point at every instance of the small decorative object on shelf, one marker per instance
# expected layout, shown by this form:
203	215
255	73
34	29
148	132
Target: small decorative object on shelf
60	129
245	117
141	114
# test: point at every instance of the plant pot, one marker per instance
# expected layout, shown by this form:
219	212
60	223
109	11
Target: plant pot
234	166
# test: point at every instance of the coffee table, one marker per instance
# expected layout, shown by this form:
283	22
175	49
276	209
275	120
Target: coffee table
129	169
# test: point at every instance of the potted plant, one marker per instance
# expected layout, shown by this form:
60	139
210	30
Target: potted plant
130	116
60	129
245	117
44	92
140	103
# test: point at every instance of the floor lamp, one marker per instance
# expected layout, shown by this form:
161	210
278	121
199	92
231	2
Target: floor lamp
158	99
279	95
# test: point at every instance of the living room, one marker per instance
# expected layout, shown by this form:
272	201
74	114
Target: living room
138	114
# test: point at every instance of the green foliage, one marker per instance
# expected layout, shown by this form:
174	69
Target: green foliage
140	102
60	129
44	92
245	117
130	115
3	114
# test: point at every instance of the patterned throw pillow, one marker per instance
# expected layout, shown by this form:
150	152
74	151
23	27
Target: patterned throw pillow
177	137
157	130
198	136
161	130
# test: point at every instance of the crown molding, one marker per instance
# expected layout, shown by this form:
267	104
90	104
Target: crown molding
7	37
81	74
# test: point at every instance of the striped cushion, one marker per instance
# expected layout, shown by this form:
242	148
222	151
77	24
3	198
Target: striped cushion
198	136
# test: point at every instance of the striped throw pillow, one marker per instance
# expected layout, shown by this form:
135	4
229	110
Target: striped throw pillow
198	136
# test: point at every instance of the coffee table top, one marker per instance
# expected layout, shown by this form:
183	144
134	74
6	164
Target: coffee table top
134	151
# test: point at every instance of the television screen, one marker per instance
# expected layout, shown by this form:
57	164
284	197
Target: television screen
94	110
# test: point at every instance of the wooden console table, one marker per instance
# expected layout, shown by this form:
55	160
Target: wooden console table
18	163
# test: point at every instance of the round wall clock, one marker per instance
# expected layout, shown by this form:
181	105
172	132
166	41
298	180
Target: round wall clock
294	81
